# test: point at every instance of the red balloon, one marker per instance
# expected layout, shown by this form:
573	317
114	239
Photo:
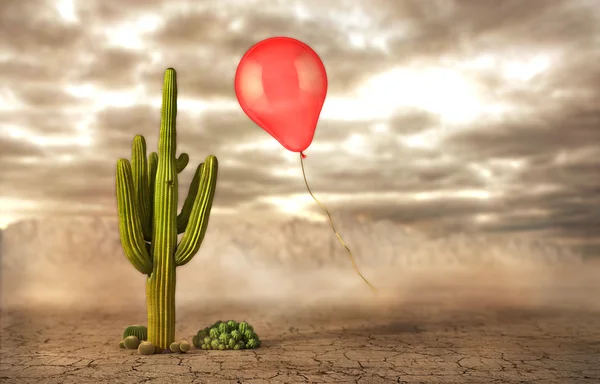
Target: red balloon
281	85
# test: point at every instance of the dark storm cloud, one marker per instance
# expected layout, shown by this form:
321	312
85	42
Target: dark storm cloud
12	149
442	27
544	135
226	128
404	121
44	120
202	31
412	121
112	68
142	119
30	27
44	96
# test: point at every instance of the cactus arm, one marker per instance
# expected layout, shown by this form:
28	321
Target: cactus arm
139	165
182	162
186	210
198	222
130	227
152	164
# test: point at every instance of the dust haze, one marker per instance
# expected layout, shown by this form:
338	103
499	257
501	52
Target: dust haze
78	264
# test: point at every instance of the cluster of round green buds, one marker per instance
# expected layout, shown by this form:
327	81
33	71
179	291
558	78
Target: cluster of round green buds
202	333
236	335
200	336
223	328
231	343
243	327
224	338
224	335
214	333
249	335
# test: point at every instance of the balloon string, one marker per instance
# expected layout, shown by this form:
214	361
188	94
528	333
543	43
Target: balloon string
302	156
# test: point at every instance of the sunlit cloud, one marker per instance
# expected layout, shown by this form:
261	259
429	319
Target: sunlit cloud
67	11
440	91
133	34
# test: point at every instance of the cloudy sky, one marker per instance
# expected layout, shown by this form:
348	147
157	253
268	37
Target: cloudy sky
441	115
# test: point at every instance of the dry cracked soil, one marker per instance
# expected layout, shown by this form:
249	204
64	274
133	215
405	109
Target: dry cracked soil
418	342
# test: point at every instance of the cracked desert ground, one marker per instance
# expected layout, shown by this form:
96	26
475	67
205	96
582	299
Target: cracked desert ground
443	313
465	328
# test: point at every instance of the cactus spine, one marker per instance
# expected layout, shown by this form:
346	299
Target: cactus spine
148	220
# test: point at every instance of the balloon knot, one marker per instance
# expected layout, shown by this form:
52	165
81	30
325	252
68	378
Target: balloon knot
303	155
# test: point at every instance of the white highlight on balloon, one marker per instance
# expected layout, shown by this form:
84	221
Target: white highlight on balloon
251	87
309	76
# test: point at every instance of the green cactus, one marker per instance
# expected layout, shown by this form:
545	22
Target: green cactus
174	347
202	334
231	343
146	348
232	324
223	328
184	346
147	191
214	333
131	342
249	335
236	335
243	327
224	338
139	331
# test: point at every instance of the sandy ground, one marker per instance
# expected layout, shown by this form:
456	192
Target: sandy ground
434	340
427	325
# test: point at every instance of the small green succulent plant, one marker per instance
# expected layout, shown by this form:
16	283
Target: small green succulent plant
181	346
139	331
225	335
146	348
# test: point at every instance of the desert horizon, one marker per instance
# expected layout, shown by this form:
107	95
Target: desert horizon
299	261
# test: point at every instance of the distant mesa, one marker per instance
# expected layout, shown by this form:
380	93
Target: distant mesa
297	243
